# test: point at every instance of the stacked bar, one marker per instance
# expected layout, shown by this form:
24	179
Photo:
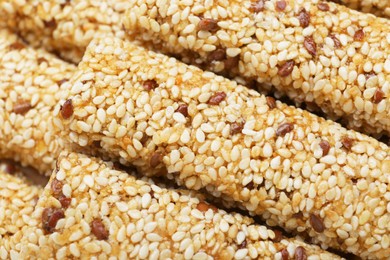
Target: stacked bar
315	52
63	26
294	169
29	82
90	210
17	201
377	7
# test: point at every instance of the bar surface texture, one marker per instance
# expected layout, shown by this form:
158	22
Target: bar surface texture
294	169
29	82
109	213
377	7
18	197
318	53
65	27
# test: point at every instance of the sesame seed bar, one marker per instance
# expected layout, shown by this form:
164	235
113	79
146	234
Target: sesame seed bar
112	214
294	169
315	52
17	201
29	82
64	26
377	7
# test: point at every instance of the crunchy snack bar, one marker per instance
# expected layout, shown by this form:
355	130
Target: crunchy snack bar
64	26
294	169
315	52
88	209
29	82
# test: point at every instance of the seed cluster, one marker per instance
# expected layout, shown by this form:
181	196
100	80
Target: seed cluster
30	79
312	51
113	214
67	26
377	7
17	201
294	169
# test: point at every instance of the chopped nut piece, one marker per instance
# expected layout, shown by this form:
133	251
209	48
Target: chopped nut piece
323	6
62	81
56	187
231	62
10	168
17	46
22	107
278	236
203	207
183	109
310	45
317	223
242	245
257	6
337	43
156	159
65	202
286	69
67	109
41	60
378	96
284	129
217	98
50	217
325	146
347	142
271	102
281	5
285	254
150	84
236	128
99	230
359	35
250	185
208	24
217	55
300	253
51	23
304	18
